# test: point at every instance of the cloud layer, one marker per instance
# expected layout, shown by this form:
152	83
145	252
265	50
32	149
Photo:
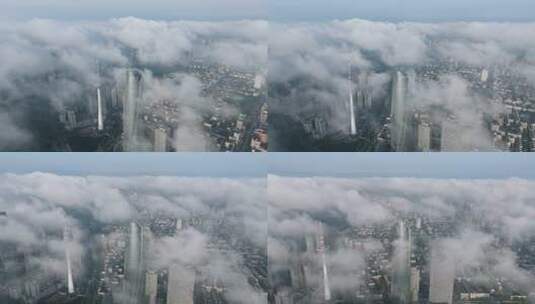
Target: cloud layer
39	205
484	213
309	65
56	64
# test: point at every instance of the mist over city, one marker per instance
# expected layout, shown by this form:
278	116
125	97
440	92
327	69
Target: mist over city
359	85
400	240
401	230
387	76
131	84
136	239
133	96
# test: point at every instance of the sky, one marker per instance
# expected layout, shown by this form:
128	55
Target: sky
235	165
277	10
403	10
153	9
420	165
232	165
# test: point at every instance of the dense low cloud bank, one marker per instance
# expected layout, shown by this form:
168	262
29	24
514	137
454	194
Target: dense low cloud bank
326	49
39	206
59	64
508	203
489	219
309	64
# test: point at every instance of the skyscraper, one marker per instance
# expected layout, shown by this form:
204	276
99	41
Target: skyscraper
441	277
180	285
364	94
398	110
133	284
67	236
326	289
151	287
131	99
484	75
401	275
424	137
451	136
160	140
353	123
100	121
414	284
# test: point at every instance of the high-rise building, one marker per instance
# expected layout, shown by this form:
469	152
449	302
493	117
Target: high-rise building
527	142
320	243
401	275
180	285
484	75
151	287
68	118
451	132
442	276
424	136
414	284
319	127
132	95
134	265
352	109
398	111
160	140
100	119
297	274
67	236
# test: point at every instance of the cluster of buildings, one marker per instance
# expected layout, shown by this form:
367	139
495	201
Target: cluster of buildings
243	91
130	276
259	140
500	116
23	280
118	266
507	118
119	116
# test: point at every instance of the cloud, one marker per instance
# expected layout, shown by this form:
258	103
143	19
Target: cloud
40	205
308	66
12	137
55	64
490	220
193	249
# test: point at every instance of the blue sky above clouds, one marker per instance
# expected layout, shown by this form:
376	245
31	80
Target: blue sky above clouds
403	10
146	9
129	164
278	10
425	165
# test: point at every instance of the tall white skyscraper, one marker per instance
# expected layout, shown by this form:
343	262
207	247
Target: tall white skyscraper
326	288
67	240
100	120
401	275
134	264
131	99
398	110
424	137
353	122
442	276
